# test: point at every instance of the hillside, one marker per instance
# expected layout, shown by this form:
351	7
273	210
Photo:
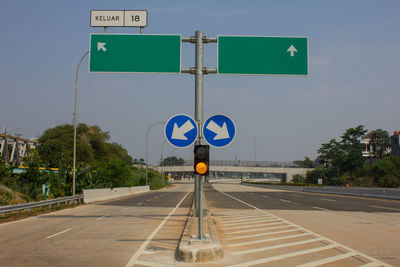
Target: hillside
10	197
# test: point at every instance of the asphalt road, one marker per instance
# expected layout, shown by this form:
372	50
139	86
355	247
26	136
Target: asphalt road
111	233
256	226
366	227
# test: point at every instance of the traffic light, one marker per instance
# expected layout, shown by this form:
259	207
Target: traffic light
201	159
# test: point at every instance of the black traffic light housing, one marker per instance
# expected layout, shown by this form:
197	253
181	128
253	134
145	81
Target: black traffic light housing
201	159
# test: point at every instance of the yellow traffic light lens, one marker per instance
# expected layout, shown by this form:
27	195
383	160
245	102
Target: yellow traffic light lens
201	168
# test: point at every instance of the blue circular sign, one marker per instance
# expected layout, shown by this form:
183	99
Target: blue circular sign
219	130
181	130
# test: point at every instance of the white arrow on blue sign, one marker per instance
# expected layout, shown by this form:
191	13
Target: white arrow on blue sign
219	130
181	130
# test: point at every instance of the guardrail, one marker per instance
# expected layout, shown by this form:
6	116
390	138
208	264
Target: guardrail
39	204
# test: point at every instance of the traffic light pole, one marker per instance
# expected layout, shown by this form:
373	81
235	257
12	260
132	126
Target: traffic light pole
198	114
199	71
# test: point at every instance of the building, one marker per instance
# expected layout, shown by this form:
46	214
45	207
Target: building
367	147
394	141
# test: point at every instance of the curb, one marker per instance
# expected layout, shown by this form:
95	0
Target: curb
191	249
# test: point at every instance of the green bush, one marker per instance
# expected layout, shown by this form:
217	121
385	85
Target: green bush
297	178
318	173
386	172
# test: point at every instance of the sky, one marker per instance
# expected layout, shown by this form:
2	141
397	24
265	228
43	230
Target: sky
353	76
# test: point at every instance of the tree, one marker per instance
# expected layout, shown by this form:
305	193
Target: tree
345	155
380	142
306	163
318	173
32	179
92	146
173	161
332	156
4	170
352	147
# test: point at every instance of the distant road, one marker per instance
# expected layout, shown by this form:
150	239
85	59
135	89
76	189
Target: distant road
364	227
111	233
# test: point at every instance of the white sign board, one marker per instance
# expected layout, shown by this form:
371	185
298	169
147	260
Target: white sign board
118	18
107	18
135	18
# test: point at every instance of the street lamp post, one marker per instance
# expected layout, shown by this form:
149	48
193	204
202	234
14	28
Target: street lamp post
162	162
255	150
76	98
147	147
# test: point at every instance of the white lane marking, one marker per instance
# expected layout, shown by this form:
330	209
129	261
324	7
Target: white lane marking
261	229
306	230
237	212
263	234
284	200
370	264
124	209
148	200
386	208
327	199
267	240
153	264
247	218
277	246
318	208
234	215
247	222
101	217
284	256
59	233
265	196
138	252
235	218
140	203
149	252
252	226
328	260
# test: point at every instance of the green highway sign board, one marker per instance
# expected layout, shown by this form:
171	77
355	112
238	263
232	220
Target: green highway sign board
135	53
262	55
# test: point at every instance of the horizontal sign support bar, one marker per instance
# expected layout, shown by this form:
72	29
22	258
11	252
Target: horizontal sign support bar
193	70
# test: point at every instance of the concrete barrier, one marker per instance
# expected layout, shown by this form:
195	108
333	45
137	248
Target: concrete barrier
94	195
387	193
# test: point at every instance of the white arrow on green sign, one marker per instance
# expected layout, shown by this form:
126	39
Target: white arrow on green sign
135	53
262	55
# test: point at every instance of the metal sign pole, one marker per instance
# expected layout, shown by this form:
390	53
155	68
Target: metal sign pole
198	114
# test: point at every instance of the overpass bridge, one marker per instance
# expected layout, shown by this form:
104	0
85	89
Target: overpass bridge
14	148
266	170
